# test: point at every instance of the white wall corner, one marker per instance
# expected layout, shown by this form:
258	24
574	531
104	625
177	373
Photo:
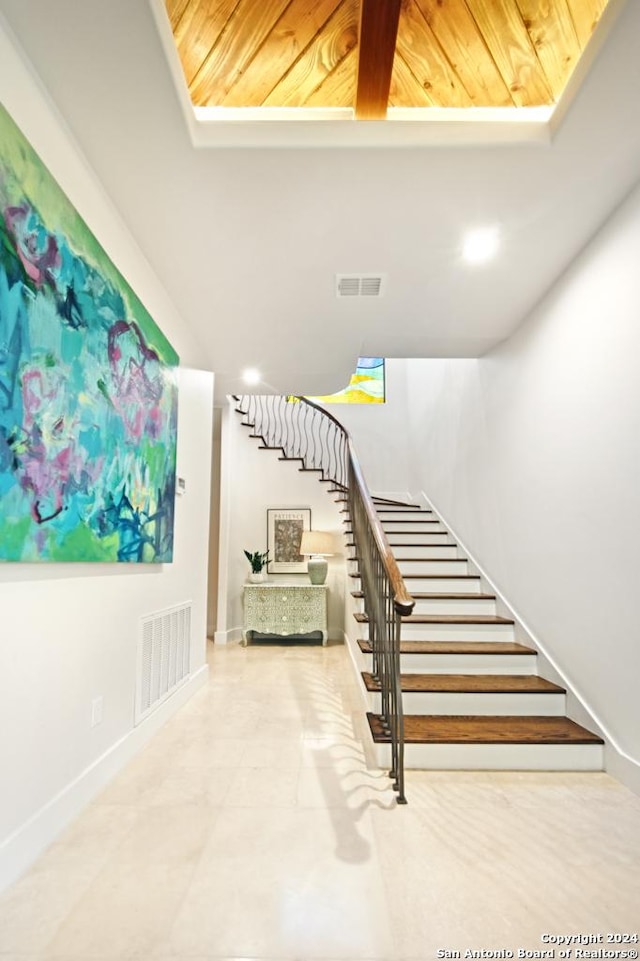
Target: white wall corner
232	636
226	501
622	767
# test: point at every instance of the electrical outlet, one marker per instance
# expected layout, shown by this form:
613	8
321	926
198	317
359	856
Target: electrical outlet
96	711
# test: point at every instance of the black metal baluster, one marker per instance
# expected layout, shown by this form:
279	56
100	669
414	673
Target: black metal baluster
304	430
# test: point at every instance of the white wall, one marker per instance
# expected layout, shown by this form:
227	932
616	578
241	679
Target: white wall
214	524
254	480
532	454
69	631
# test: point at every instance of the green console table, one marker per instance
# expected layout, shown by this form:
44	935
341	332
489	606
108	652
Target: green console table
286	610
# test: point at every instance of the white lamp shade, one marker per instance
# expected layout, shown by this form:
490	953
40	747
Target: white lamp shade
316	542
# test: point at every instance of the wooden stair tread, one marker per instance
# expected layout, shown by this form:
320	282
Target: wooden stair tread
445	619
405	520
381	501
470	684
479	729
396	544
428	595
348	532
455	647
393	543
403	510
426	560
435	577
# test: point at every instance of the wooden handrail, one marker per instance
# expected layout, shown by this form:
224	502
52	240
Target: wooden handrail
402	599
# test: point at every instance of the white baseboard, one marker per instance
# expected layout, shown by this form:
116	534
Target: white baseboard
622	767
228	637
27	843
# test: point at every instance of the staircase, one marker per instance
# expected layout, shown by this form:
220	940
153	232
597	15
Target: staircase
447	684
472	697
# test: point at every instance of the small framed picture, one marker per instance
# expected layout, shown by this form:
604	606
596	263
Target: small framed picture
284	532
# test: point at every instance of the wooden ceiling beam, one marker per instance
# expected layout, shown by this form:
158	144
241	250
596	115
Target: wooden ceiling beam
377	46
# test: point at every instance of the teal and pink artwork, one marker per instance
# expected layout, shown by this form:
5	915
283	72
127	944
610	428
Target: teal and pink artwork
88	386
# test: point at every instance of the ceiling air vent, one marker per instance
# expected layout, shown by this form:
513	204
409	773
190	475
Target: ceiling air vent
359	285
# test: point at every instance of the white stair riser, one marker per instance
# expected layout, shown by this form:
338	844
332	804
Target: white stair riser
450	632
415	528
441	606
449	566
549	705
434	585
497	757
463	663
425	551
463	605
418	537
433	567
458	632
441	583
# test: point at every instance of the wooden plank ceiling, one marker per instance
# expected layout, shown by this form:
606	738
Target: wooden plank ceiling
370	54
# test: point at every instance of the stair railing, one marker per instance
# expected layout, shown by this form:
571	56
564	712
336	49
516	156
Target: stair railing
307	432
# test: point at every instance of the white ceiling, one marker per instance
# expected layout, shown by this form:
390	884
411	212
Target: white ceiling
247	241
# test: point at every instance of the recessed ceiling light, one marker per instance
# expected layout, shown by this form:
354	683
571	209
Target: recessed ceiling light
480	245
251	376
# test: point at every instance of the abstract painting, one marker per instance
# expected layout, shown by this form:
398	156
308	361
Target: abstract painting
365	387
88	386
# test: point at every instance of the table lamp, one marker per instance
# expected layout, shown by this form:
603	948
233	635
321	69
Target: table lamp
318	545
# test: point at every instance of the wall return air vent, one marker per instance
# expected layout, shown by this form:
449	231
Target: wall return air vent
360	285
164	649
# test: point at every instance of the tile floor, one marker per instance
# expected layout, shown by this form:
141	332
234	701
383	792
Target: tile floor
254	826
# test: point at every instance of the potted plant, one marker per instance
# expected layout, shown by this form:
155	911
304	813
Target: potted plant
258	560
